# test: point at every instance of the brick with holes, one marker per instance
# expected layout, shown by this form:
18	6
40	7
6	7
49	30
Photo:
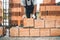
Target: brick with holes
14	32
55	32
23	32
49	24
57	23
39	23
34	32
28	22
44	32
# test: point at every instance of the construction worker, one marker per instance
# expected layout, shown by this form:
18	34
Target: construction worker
30	7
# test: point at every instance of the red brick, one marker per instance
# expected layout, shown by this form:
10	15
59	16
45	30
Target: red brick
1	12
50	17
23	31
4	30
57	17
28	22
14	32
1	31
57	8
55	32
48	8
57	23
52	8
44	32
0	19
19	9
43	17
42	8
49	24
15	1
0	4
39	23
34	32
14	18
48	1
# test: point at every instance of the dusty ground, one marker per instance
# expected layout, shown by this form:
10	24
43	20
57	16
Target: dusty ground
30	38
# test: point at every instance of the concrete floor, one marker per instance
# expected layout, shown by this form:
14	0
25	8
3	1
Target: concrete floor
30	38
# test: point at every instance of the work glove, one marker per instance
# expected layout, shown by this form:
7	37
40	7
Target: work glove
24	16
33	16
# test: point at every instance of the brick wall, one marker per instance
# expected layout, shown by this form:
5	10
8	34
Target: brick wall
16	11
41	28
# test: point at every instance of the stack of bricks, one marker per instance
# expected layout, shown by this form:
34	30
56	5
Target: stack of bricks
1	12
2	31
50	12
16	11
49	25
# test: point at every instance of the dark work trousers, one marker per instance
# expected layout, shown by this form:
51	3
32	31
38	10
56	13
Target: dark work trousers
29	10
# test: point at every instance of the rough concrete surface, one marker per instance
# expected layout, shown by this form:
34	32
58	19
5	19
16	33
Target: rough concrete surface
30	38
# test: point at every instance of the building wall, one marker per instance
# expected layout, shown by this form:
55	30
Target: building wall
16	11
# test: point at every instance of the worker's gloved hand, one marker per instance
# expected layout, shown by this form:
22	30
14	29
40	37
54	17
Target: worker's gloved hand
33	16
24	16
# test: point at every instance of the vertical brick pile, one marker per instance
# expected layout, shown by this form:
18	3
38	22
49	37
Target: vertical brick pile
50	12
16	12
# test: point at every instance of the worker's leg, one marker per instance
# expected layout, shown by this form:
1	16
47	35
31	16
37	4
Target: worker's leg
28	13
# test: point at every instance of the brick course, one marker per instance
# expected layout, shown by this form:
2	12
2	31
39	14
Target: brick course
23	32
34	32
44	32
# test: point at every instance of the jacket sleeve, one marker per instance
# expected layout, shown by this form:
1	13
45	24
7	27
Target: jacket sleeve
22	2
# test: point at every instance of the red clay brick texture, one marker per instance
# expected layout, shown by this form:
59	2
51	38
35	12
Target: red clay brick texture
23	32
48	1
4	30
39	23
49	24
44	32
13	32
55	32
0	4
43	17
57	17
50	17
34	32
50	8
42	8
1	31
15	1
28	22
57	23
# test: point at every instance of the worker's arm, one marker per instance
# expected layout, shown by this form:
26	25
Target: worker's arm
34	11
35	8
22	6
